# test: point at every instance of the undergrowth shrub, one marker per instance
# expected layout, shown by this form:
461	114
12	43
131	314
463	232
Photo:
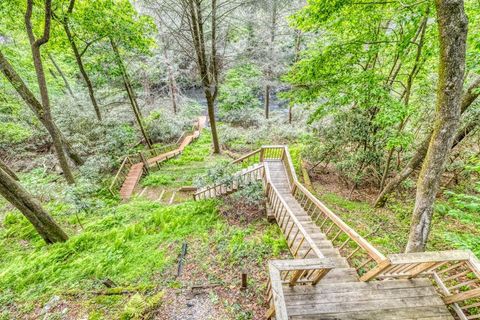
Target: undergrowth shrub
240	88
165	127
128	245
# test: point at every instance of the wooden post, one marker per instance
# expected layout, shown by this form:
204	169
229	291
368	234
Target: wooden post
244	280
145	163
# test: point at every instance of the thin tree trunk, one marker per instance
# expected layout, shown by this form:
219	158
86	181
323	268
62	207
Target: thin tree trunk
34	105
171	79
267	101
65	81
78	58
298	42
131	94
4	167
209	76
387	167
48	229
290	116
42	84
271	55
452	26
408	90
468	98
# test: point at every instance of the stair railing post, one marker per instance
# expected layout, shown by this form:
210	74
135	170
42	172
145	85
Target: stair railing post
145	163
262	150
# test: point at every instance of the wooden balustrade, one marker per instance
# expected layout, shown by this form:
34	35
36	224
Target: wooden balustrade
359	252
456	274
238	180
292	273
249	159
295	233
121	175
272	152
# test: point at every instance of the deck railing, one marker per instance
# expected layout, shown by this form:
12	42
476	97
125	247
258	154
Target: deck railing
249	159
456	274
296	235
292	273
238	180
358	251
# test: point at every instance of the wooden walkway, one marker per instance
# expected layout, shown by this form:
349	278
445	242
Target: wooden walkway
137	169
337	274
340	295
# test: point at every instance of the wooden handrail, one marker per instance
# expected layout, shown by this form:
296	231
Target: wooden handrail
362	242
456	272
237	178
115	179
294	219
247	156
292	272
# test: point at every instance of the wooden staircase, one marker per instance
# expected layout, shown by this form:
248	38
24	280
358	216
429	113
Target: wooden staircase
337	274
134	166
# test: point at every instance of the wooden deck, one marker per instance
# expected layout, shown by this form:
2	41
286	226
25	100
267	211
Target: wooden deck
335	273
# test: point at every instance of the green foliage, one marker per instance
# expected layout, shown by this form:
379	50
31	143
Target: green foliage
121	244
348	75
240	88
13	133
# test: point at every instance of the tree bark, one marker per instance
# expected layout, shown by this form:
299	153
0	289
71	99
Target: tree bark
78	58
35	105
171	79
48	229
131	94
59	70
267	101
4	167
35	45
452	26
271	59
468	98
208	75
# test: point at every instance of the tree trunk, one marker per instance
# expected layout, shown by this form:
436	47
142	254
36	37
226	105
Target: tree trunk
48	229
131	94
267	101
452	26
34	104
35	45
271	57
208	75
468	98
4	167
171	79
78	58
65	81
290	116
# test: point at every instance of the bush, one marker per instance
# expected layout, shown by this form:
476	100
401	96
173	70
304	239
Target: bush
167	128
245	118
240	89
